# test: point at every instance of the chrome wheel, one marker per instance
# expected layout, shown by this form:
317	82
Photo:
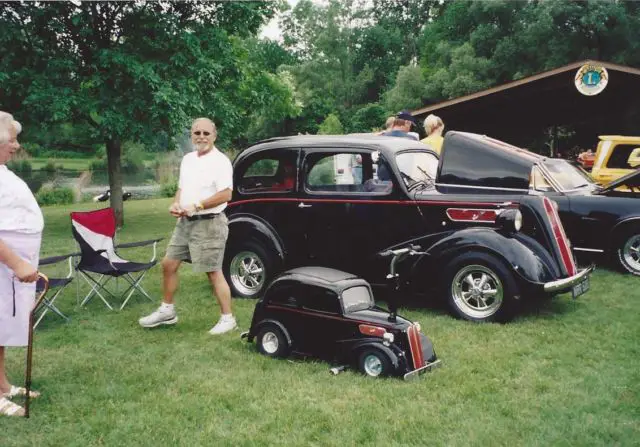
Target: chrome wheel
477	291
373	365
630	254
247	273
270	343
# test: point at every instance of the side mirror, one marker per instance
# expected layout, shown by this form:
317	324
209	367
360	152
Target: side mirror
634	158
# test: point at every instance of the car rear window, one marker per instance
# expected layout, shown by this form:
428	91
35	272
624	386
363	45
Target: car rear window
356	298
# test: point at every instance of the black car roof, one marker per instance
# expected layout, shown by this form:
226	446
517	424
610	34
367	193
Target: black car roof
388	145
329	278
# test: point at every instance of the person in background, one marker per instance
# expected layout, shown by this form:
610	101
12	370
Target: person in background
21	225
200	235
434	126
401	127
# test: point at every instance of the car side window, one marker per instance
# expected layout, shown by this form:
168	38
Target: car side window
269	171
320	300
346	172
285	293
621	157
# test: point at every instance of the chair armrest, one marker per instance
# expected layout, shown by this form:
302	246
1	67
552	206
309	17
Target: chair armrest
54	259
138	244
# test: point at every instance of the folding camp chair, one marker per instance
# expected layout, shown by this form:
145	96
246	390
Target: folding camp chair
48	304
95	231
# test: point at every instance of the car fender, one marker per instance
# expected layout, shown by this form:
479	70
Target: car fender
376	343
246	226
526	258
284	330
620	227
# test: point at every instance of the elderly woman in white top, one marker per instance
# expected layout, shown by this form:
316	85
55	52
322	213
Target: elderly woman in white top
21	225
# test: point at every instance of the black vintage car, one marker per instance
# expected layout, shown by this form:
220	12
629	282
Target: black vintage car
338	201
596	219
330	314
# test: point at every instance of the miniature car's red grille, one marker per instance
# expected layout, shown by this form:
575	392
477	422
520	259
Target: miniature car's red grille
415	344
560	237
376	331
472	215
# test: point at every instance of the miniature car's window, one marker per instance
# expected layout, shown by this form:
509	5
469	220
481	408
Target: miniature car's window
540	182
567	175
320	299
417	168
356	298
269	171
338	172
623	156
285	293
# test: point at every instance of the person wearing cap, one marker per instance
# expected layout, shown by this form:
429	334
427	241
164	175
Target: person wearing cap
402	126
434	126
200	235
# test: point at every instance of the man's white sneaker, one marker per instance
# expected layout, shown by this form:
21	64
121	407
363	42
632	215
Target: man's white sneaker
224	325
160	316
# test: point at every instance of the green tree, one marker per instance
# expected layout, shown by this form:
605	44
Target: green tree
331	126
127	69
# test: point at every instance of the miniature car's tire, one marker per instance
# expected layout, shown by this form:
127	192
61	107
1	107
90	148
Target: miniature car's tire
374	363
272	342
628	251
248	268
479	287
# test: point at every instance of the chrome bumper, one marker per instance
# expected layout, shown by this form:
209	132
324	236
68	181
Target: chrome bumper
428	367
566	283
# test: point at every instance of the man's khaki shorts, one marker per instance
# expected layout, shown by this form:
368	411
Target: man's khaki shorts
200	242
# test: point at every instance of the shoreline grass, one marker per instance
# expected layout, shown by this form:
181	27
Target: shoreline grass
567	373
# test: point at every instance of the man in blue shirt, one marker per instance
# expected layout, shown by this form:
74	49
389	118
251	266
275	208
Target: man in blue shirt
402	126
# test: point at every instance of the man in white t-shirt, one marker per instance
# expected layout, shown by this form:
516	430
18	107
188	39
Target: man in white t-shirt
200	235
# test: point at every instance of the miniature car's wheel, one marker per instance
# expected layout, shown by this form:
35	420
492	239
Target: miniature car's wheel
479	287
374	363
272	342
629	251
248	268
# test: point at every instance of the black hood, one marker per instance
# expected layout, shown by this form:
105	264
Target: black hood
631	180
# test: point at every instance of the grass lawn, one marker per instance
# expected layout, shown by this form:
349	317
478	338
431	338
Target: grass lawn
565	374
71	164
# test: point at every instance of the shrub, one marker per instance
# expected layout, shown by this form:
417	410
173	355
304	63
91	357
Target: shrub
98	165
51	195
49	167
23	166
169	188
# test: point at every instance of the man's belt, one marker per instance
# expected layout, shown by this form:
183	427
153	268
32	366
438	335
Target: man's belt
202	216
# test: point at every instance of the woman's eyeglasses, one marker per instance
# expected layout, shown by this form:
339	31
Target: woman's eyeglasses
205	133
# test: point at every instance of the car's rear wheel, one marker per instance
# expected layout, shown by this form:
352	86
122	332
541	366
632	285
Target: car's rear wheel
374	363
248	267
479	287
629	251
272	342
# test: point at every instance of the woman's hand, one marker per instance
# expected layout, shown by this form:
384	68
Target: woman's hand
25	272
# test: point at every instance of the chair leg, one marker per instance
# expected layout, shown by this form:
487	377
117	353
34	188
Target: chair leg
95	289
48	305
135	285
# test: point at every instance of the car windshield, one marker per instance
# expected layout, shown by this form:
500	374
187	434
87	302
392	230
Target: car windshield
357	298
567	175
417	167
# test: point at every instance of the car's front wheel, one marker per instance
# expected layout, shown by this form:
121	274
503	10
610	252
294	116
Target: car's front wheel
248	267
374	363
479	287
629	251
272	342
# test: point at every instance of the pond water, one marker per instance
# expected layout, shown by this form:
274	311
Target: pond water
142	185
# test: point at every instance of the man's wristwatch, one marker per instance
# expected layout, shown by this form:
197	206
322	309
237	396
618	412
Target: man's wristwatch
199	206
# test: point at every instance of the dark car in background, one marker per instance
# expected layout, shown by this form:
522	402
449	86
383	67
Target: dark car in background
337	201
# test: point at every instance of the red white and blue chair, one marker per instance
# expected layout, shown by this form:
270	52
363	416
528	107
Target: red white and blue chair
99	262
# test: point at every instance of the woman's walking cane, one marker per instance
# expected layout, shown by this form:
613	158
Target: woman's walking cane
43	282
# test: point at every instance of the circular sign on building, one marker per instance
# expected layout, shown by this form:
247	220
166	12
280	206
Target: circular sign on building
591	79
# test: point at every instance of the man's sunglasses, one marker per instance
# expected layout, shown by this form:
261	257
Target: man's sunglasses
205	133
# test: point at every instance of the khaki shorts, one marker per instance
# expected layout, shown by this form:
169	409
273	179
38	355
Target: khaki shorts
200	242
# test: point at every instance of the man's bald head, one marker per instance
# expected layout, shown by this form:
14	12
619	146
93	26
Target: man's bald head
203	134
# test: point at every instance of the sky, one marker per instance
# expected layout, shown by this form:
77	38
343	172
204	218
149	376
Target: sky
271	30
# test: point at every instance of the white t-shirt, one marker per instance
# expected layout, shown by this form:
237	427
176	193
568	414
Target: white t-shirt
19	210
203	176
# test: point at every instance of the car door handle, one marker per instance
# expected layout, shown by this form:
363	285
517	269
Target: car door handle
303	205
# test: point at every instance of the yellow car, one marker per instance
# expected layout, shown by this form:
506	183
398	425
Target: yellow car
616	157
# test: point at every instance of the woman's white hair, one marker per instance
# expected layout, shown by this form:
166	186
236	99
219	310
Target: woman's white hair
431	123
6	123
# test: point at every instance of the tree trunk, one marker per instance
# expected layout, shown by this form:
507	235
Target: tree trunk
115	178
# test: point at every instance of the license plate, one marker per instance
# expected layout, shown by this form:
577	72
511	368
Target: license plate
580	288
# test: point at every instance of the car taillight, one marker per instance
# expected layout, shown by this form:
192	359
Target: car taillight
415	345
375	331
560	237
